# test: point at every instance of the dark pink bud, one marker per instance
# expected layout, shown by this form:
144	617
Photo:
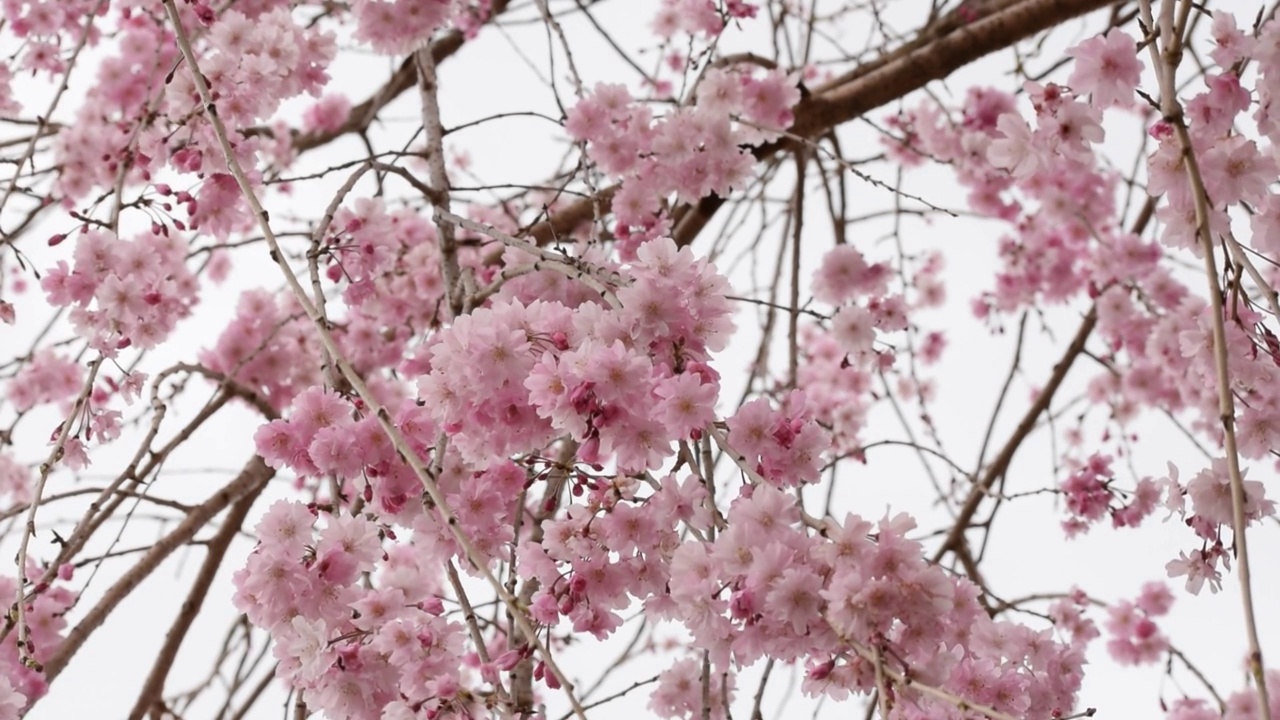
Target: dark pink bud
551	680
821	670
582	398
607	415
338	567
508	660
188	160
783	433
742	605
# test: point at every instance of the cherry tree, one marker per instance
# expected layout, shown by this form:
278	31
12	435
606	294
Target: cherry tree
560	400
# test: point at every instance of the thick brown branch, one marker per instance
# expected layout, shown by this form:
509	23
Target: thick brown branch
935	60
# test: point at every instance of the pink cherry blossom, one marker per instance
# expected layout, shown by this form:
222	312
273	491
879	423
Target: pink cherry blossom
1107	68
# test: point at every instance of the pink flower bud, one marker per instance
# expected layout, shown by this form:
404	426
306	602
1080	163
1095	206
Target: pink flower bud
822	670
508	660
433	606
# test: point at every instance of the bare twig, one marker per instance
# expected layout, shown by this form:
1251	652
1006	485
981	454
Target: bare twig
254	475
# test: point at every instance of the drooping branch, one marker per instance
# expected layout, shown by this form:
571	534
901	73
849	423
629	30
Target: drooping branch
428	91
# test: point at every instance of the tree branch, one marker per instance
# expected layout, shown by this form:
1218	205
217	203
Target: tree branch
153	689
252	478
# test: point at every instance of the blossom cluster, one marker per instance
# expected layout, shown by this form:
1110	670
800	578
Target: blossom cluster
124	293
624	382
394	27
41	24
699	17
859	585
841	358
355	652
1135	638
255	57
694	151
267	347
